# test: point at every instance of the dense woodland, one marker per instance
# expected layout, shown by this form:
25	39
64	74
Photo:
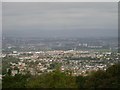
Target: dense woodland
57	79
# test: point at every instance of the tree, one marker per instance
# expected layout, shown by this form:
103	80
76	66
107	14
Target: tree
105	79
17	81
9	72
54	79
80	80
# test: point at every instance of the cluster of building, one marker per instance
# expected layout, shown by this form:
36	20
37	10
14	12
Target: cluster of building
71	61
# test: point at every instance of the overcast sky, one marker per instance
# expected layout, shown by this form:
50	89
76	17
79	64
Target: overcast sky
60	19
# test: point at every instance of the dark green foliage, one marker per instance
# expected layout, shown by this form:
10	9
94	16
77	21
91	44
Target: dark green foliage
55	79
6	63
98	79
80	80
17	81
114	70
55	65
9	72
105	79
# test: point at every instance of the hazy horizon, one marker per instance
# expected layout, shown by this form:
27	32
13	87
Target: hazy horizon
60	19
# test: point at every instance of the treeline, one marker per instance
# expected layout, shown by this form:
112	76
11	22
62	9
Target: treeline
6	63
57	79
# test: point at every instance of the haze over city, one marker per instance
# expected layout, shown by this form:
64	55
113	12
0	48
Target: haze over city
60	19
60	45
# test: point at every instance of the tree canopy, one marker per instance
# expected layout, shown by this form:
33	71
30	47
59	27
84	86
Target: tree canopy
57	79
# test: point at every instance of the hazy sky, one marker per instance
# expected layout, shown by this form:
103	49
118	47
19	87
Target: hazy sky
62	19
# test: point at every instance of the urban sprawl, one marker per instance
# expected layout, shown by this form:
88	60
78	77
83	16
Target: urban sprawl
75	56
78	62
